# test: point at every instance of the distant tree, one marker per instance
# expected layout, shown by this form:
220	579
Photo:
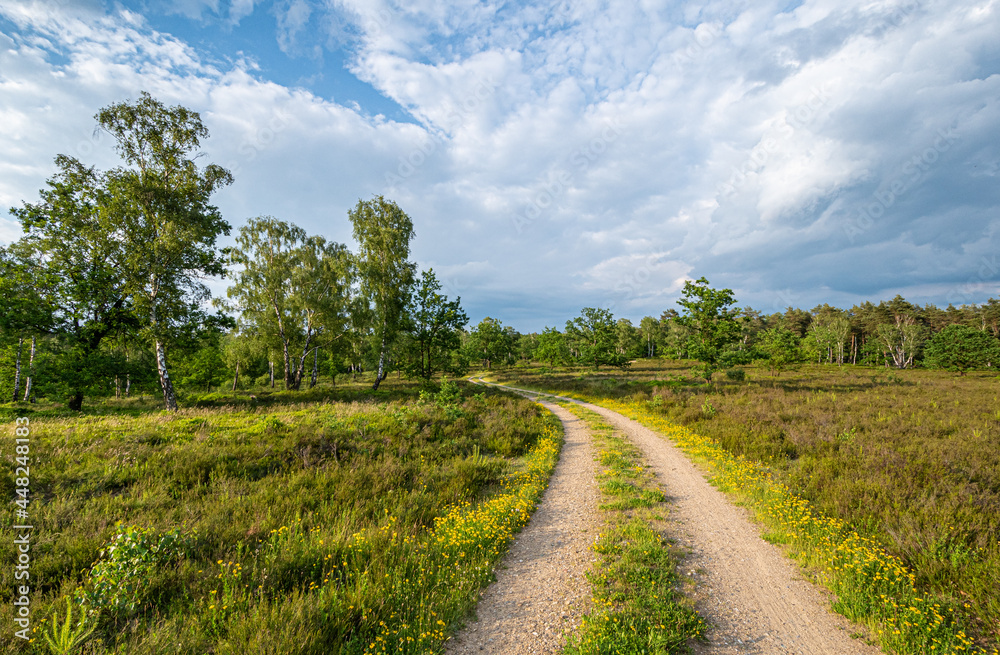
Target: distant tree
158	210
962	348
552	348
321	280
781	348
433	329
595	336
712	320
264	257
649	329
203	367
900	341
674	337
489	342
527	346
242	350
827	338
294	289
628	340
383	232
989	316
66	278
797	321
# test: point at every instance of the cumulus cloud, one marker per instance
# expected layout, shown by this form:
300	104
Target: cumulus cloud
556	154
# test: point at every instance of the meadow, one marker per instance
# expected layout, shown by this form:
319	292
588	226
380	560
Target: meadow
318	522
902	466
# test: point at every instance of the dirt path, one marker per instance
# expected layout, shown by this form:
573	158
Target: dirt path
753	596
541	590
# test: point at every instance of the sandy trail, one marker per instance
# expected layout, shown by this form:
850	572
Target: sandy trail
753	596
541	591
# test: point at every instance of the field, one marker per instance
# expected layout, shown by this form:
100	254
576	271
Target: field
910	460
288	523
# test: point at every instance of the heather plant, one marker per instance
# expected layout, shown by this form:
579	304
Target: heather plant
283	523
909	460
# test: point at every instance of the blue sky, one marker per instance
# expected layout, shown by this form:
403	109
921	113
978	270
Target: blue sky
561	155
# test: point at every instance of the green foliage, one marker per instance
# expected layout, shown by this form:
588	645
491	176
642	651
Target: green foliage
119	583
712	320
962	348
736	374
158	208
293	293
65	639
552	347
277	494
448	398
781	347
383	232
594	336
433	330
490	343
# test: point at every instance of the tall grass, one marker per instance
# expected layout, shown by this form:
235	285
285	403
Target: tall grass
908	461
315	527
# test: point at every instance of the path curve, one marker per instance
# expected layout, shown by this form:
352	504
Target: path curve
541	591
754	597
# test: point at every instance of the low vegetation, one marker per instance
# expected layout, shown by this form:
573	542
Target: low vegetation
364	525
904	464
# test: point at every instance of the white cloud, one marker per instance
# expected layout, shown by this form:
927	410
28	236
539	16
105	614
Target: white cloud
558	150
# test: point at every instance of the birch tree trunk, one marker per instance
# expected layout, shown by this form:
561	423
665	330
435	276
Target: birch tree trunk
236	379
380	375
31	371
17	369
169	395
315	371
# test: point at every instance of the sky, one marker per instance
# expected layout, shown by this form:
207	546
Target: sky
561	155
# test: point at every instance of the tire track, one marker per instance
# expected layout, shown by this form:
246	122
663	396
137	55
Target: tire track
754	597
541	591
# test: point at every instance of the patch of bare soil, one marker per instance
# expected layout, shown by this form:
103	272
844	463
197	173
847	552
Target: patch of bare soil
541	591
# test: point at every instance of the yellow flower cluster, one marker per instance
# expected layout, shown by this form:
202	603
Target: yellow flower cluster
872	585
446	569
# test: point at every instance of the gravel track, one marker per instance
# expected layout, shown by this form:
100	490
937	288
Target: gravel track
541	591
754	597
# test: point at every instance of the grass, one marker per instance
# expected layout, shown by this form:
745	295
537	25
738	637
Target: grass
366	524
637	606
902	467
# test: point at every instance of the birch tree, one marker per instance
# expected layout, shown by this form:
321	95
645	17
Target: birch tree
158	208
293	288
383	232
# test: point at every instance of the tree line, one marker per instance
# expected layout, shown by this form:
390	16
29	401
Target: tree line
708	327
104	295
106	284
